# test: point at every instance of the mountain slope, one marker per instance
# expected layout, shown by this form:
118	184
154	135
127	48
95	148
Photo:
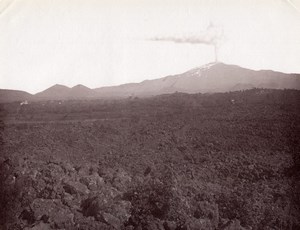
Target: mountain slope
54	92
80	91
214	77
7	95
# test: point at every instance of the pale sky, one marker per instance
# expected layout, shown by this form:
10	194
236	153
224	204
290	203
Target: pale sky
100	43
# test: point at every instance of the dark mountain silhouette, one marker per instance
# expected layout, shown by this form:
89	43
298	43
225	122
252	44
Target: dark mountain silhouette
7	95
210	78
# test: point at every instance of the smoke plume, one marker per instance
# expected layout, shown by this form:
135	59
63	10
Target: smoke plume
213	36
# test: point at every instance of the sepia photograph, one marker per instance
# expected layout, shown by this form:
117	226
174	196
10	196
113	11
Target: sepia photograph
150	115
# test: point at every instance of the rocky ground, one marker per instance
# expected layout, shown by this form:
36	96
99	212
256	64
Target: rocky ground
187	162
58	195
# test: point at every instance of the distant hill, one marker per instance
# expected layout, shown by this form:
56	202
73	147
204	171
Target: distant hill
210	78
213	77
54	92
7	95
80	91
61	92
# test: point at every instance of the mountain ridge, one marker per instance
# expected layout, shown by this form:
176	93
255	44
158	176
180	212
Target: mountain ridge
209	78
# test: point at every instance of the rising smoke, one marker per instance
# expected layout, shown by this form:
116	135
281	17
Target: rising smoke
213	36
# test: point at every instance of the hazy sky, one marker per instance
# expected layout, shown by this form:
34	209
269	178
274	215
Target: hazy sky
99	43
